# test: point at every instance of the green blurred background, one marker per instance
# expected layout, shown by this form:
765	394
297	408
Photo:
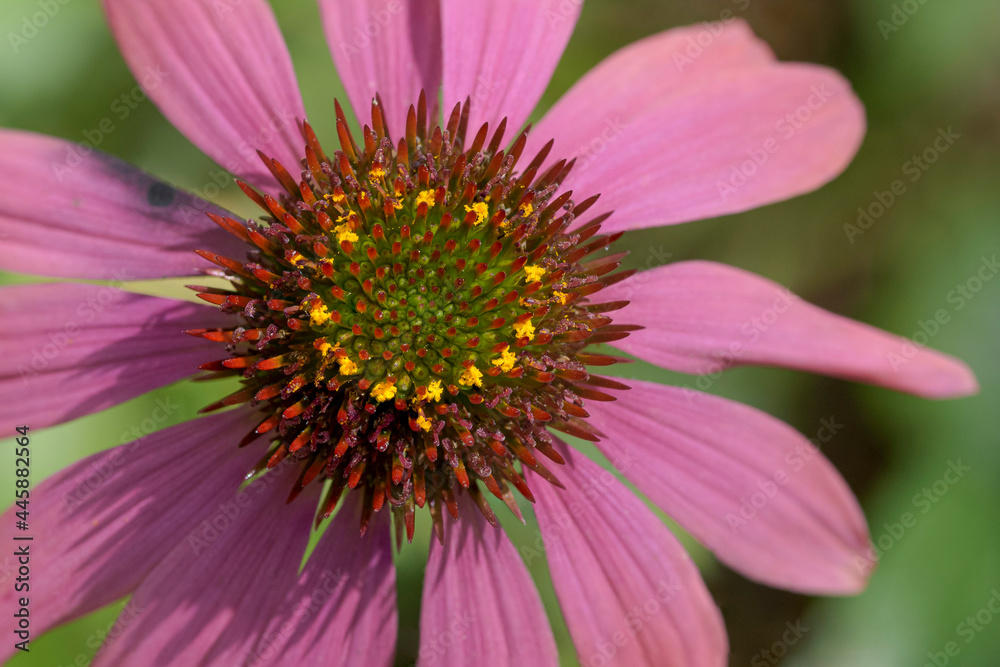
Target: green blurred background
939	69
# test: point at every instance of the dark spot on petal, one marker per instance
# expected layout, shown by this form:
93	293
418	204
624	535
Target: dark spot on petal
160	194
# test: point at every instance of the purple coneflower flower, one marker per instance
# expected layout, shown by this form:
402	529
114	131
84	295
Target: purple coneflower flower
411	322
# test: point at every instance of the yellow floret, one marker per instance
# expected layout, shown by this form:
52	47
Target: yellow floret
423	422
383	391
344	233
562	296
472	377
506	360
526	209
319	314
525	329
533	273
336	198
347	367
325	347
481	210
377	172
434	391
426	197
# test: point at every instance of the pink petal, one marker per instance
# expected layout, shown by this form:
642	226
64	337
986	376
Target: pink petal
480	605
387	47
702	317
344	605
502	54
104	523
220	72
92	347
640	78
628	590
210	600
746	485
69	211
731	138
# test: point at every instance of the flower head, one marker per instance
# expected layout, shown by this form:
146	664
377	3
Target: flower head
419	302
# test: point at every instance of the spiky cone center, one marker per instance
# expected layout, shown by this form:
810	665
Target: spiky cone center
413	316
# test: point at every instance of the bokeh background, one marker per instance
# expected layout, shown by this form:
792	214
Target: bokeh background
938	69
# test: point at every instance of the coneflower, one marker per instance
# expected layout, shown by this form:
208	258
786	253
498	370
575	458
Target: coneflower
411	319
